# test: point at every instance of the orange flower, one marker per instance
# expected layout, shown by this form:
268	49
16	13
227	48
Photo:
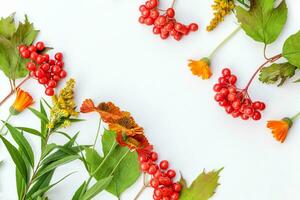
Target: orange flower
108	111
127	125
201	68
23	101
280	128
136	142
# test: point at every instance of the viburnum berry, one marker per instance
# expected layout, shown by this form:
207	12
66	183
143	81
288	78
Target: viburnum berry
165	25
236	102
164	164
47	71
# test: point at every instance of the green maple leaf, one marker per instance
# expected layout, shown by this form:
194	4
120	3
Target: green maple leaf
275	72
11	63
263	22
202	188
126	173
291	49
7	26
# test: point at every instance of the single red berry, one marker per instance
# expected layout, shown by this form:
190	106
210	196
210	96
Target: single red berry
217	87
164	36
58	56
49	91
229	109
146	13
142	8
170	12
46	57
25	54
142	19
178	36
153	3
158	174
219	97
185	30
262	106
224	91
226	72
156	30
56	69
222	80
31	66
43	80
39	73
145	166
40	59
249	111
166	181
232	97
223	103
56	78
60	64
158	193
232	79
193	27
177	187
154	14
22	48
164	164
45	67
62	74
178	27
149	21
256	116
175	196
161	20
33	56
244	117
236	105
149	5
32	48
52	84
236	114
153	169
154	183
143	158
40	46
171	173
154	156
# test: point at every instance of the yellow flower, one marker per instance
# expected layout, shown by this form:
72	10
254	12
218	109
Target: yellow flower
23	101
201	68
280	128
221	9
63	106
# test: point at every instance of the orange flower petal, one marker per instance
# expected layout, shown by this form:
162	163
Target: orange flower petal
23	101
280	129
87	106
200	68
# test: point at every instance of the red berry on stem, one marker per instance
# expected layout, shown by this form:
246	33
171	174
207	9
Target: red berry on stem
40	59
43	80
158	193
256	116
145	166
33	56
142	19
25	54
22	48
171	173
145	13
154	156
45	67
193	27
62	74
232	79
31	66
46	57
154	183
153	169
52	84
178	27
143	158
226	72
154	14
58	56
177	187
142	8
56	78
170	12
39	73
40	46
49	91
56	69
149	21
32	48
164	164
156	30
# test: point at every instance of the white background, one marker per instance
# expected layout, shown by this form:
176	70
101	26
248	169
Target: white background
114	58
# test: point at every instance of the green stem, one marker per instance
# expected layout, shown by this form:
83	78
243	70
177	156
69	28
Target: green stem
224	41
295	116
97	134
4	124
105	158
117	165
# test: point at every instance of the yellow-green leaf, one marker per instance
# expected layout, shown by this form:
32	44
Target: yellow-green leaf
291	49
202	188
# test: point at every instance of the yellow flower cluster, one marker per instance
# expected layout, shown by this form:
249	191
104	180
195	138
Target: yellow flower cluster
63	107
221	9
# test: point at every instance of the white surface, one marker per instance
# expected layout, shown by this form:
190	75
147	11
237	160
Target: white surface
114	58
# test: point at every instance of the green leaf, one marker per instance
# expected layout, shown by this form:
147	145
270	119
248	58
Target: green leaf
125	175
55	164
40	115
48	149
25	33
277	72
7	26
97	188
263	22
47	188
80	191
16	157
21	184
43	182
202	188
22	142
31	131
291	49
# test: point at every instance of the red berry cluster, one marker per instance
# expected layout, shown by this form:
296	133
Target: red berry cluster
164	24
47	71
235	101
161	177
